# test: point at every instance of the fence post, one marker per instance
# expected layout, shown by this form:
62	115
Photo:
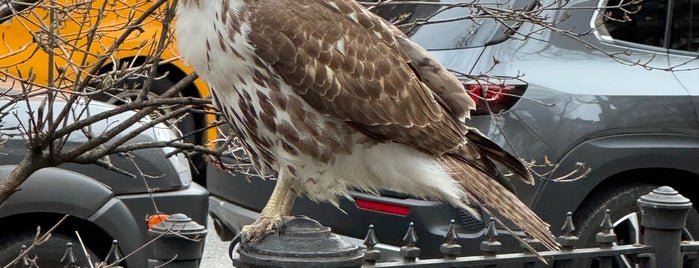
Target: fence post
179	243
302	242
664	214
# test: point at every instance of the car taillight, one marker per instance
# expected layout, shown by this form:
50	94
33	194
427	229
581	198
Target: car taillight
494	98
382	207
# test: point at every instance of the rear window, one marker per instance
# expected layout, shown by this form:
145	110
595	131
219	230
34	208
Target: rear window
672	24
447	24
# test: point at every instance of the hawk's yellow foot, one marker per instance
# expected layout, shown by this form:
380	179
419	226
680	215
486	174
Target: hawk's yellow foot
273	214
262	227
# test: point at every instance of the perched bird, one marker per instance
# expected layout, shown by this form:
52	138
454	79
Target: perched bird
331	97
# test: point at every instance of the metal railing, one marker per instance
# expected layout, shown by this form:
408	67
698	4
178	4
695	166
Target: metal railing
306	243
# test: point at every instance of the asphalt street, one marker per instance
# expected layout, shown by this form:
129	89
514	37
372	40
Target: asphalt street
215	250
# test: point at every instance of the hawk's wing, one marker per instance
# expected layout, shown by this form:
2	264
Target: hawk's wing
347	63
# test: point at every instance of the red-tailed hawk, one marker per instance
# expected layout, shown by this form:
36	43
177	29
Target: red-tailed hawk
331	97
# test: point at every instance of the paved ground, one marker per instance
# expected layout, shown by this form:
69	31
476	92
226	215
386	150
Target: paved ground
215	250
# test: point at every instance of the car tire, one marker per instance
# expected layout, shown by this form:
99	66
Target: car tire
625	215
48	254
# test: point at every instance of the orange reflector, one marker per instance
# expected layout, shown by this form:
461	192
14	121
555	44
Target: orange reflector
383	207
155	219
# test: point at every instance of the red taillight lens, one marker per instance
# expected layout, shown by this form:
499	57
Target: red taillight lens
382	207
492	98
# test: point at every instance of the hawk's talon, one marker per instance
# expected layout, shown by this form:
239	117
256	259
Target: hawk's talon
262	227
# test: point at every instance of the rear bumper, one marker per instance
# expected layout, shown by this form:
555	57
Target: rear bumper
235	201
191	201
429	227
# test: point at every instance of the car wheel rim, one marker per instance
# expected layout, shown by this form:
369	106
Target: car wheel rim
628	230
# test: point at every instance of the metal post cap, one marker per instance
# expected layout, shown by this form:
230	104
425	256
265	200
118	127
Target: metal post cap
664	208
179	236
179	223
665	197
303	242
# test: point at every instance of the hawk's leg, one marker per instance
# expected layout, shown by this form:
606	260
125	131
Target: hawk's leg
278	206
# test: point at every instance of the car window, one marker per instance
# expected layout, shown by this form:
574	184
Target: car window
646	22
443	24
685	26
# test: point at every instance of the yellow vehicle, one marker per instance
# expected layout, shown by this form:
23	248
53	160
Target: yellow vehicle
60	41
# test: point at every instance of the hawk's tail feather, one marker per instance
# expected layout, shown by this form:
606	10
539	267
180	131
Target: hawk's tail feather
496	153
494	197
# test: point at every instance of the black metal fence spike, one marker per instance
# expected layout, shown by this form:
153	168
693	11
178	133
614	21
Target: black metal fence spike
606	226
450	248
568	227
371	255
410	237
24	262
370	240
568	239
68	259
492	233
114	254
606	236
490	246
410	252
451	236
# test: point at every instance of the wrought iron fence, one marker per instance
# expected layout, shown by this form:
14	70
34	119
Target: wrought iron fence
305	243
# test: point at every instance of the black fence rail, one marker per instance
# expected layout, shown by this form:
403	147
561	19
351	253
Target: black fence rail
306	243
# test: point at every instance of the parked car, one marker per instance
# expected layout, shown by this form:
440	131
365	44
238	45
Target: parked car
604	99
103	205
22	53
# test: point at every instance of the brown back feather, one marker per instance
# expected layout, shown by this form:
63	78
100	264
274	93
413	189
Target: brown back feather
438	79
345	62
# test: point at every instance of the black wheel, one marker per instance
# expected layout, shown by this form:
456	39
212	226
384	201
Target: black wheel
48	254
625	215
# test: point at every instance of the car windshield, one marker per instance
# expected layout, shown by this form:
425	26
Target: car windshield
447	24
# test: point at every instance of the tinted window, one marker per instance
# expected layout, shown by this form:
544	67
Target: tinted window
436	24
685	26
645	22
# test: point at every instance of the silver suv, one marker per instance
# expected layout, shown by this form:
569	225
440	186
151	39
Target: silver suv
102	205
